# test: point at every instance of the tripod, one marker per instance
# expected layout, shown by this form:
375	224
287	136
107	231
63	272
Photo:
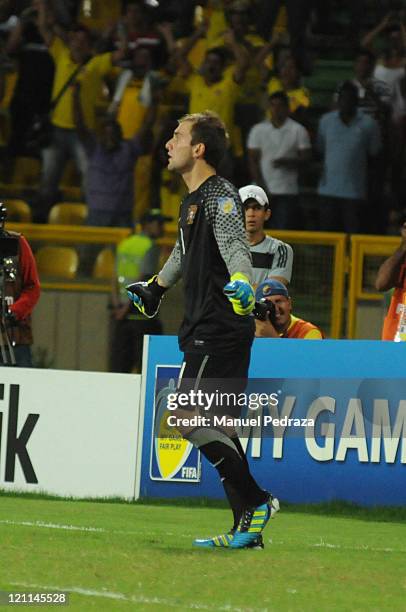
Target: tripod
6	345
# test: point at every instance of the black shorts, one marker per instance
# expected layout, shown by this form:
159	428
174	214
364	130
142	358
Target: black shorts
224	376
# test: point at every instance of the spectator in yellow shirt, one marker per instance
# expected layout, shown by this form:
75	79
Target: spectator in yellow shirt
73	60
216	87
289	82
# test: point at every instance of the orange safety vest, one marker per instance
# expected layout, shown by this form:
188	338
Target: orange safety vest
299	329
391	321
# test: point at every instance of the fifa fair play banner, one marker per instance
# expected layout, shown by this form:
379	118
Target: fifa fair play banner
333	425
68	433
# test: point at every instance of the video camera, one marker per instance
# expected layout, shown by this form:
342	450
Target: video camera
263	308
8	245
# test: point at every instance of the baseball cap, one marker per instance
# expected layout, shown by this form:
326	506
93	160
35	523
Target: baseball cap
155	214
270	287
255	192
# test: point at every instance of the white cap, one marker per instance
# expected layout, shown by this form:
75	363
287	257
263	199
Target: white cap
254	192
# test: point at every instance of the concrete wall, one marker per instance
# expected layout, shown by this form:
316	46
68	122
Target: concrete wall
72	329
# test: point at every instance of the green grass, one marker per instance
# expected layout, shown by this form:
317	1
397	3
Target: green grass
139	557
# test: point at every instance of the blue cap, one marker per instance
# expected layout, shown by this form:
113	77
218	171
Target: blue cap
270	287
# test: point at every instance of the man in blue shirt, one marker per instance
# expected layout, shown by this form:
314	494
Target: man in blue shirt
347	139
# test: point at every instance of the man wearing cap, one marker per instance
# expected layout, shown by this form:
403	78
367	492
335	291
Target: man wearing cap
137	260
281	323
271	258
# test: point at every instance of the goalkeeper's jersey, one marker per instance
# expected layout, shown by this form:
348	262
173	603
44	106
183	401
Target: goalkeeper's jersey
210	248
271	257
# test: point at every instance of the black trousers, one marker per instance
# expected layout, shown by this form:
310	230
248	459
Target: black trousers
223	373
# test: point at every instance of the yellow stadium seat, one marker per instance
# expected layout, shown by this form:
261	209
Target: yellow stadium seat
59	262
103	268
18	210
26	171
67	213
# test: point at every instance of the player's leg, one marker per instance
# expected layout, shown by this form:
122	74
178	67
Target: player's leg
220	449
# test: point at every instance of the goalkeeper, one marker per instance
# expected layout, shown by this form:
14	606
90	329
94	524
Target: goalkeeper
212	257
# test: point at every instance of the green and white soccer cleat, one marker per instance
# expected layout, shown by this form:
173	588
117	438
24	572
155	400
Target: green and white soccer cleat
224	541
220	541
253	522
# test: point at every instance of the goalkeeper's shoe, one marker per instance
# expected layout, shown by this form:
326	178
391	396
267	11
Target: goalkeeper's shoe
224	541
146	296
220	541
253	522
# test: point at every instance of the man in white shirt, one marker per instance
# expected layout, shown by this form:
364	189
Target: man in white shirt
271	258
277	148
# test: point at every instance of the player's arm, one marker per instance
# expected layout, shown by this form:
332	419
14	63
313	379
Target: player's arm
388	273
147	296
46	23
241	56
283	259
30	291
225	215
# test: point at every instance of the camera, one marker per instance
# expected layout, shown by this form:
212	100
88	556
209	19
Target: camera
264	308
8	245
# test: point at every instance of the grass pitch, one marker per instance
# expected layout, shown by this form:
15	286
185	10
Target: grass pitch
118	556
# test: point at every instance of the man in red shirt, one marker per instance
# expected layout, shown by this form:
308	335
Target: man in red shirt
19	293
392	275
282	323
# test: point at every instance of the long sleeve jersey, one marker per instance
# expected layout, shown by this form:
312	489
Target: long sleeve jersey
210	248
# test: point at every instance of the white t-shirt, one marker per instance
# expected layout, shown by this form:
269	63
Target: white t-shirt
390	76
271	257
275	143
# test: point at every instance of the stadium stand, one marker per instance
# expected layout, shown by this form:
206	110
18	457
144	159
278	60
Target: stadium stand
68	213
57	261
18	210
103	268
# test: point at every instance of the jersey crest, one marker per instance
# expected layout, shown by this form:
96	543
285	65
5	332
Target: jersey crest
191	213
227	205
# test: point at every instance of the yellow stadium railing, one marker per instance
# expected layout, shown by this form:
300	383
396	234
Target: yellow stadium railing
333	259
363	247
71	235
316	254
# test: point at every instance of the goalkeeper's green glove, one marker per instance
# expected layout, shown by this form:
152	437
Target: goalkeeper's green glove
146	296
241	294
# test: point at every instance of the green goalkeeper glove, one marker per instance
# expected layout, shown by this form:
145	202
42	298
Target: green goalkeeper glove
241	294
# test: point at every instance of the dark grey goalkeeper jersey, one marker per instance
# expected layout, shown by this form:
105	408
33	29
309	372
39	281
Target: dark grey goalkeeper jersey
210	248
271	257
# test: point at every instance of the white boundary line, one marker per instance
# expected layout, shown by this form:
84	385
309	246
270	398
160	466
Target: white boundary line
138	599
42	524
320	544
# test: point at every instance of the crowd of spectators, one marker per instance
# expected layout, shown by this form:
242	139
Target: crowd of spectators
115	76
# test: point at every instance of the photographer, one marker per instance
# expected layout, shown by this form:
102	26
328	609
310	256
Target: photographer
19	293
273	315
392	275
